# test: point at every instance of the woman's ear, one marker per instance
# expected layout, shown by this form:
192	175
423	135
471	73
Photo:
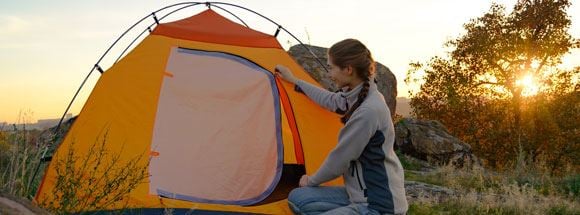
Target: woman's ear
349	70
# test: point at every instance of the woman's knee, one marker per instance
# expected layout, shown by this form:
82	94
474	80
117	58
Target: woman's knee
296	198
298	194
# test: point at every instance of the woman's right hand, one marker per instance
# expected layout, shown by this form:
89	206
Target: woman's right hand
285	73
303	181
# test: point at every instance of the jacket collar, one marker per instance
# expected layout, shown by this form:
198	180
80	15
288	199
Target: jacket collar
352	95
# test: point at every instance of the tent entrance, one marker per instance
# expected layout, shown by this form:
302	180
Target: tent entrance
216	143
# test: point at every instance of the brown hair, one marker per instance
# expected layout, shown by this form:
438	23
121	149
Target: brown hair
351	52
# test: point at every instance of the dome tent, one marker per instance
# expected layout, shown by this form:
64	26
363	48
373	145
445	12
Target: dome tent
197	97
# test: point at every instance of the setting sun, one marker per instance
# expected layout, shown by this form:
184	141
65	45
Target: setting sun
529	86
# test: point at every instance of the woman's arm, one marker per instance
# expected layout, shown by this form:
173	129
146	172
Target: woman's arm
329	100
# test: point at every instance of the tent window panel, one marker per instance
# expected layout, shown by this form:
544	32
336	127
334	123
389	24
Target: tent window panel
217	130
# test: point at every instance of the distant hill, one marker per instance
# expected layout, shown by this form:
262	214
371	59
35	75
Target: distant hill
41	124
403	106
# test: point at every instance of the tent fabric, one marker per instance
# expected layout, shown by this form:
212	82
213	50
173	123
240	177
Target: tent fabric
205	27
299	154
148	105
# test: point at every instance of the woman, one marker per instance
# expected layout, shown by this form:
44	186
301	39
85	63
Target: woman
364	154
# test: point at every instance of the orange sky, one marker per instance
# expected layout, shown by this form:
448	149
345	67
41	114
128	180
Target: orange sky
48	47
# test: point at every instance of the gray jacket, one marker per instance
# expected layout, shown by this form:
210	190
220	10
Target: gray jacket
364	155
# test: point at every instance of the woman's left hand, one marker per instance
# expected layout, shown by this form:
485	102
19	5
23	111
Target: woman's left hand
285	73
303	181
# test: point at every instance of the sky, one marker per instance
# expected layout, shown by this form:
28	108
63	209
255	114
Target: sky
48	47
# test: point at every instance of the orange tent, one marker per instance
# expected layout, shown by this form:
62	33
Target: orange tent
219	132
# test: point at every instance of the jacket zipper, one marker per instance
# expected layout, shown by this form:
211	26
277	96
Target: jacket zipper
355	170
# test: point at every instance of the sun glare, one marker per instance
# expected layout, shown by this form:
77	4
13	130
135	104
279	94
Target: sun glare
529	86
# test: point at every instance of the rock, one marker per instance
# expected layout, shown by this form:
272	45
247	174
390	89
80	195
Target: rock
418	191
11	205
386	81
50	135
430	141
50	139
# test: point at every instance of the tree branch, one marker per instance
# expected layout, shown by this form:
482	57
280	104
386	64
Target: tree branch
486	82
541	64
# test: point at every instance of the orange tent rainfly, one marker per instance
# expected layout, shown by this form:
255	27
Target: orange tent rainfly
217	131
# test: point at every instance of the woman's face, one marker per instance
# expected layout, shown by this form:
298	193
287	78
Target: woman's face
341	77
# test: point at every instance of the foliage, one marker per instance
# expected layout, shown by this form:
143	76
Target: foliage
20	153
94	181
409	163
477	90
98	184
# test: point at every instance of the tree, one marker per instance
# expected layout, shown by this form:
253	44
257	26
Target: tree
476	89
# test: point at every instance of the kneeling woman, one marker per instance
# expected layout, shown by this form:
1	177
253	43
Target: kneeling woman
364	154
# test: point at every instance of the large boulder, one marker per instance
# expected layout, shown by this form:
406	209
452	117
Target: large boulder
430	141
12	205
386	81
54	137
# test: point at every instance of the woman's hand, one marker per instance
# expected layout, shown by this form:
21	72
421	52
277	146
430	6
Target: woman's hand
303	181
285	73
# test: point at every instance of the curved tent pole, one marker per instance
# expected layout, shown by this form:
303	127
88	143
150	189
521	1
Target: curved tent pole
188	4
279	26
149	29
96	66
234	15
166	15
109	49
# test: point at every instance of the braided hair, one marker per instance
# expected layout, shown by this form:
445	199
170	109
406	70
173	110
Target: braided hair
351	52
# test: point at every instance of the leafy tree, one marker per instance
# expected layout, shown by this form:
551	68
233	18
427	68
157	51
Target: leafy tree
476	90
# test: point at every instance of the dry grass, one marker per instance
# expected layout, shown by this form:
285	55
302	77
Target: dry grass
104	179
20	153
524	190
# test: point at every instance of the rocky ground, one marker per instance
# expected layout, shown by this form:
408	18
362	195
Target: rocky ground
11	205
